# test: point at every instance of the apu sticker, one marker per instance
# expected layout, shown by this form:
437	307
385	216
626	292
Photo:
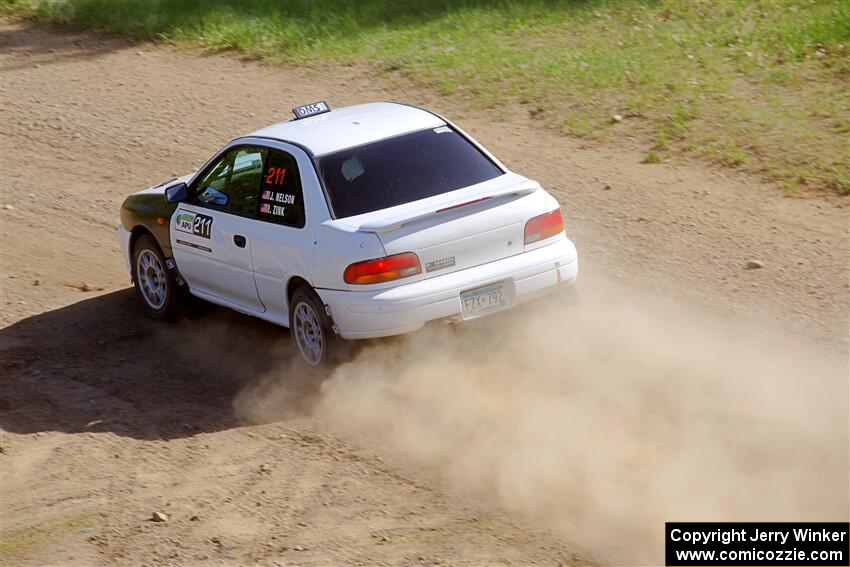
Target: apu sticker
194	223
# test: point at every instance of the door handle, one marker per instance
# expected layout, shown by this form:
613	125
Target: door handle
239	240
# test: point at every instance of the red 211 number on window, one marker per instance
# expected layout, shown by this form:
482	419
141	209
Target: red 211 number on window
275	176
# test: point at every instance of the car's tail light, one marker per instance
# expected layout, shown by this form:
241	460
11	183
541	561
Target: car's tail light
544	226
383	269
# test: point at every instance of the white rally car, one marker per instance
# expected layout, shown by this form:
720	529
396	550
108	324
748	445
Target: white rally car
360	222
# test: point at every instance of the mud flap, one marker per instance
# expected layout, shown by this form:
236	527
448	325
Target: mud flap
172	265
334	326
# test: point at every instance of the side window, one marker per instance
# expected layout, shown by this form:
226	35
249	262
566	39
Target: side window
232	182
211	186
281	199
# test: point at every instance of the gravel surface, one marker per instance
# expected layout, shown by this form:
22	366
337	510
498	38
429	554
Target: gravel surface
110	420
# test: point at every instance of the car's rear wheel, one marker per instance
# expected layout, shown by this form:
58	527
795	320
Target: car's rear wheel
154	282
311	329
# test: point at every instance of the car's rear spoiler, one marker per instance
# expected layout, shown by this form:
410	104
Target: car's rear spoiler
394	222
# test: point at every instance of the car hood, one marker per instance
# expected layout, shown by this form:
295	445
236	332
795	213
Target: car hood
159	189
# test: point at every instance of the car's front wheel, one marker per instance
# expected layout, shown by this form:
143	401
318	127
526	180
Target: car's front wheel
311	329
155	284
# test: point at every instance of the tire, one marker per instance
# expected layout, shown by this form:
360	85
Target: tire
154	282
311	329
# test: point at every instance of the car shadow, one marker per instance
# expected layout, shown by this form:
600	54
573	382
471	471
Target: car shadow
102	365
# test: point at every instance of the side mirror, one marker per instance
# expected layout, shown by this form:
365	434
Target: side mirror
176	193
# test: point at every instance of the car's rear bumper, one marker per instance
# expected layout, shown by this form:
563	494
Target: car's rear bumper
405	308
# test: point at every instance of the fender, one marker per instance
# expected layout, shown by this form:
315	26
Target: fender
144	209
147	207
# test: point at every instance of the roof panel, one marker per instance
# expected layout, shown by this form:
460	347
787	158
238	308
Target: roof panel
351	126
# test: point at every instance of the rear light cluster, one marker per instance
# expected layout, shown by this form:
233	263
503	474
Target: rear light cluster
544	226
383	269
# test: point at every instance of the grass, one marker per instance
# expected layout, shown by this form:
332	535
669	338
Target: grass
18	544
651	157
754	84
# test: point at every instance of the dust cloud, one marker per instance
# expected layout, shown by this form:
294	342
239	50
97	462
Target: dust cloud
602	421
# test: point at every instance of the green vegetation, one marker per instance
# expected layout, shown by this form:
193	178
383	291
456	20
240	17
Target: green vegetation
651	157
19	544
754	84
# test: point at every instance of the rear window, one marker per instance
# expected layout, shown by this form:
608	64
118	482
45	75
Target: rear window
402	169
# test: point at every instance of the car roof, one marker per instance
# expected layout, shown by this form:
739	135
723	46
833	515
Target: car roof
351	126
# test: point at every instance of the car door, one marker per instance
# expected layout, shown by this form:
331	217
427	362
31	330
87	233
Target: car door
210	232
279	240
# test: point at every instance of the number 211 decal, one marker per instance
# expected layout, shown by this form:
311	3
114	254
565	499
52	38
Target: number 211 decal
275	176
194	223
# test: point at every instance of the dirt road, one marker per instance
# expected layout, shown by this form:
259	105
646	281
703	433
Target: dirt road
682	368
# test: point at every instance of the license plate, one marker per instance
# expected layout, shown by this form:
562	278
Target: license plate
484	300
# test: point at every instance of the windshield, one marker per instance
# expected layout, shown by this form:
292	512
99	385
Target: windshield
402	169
